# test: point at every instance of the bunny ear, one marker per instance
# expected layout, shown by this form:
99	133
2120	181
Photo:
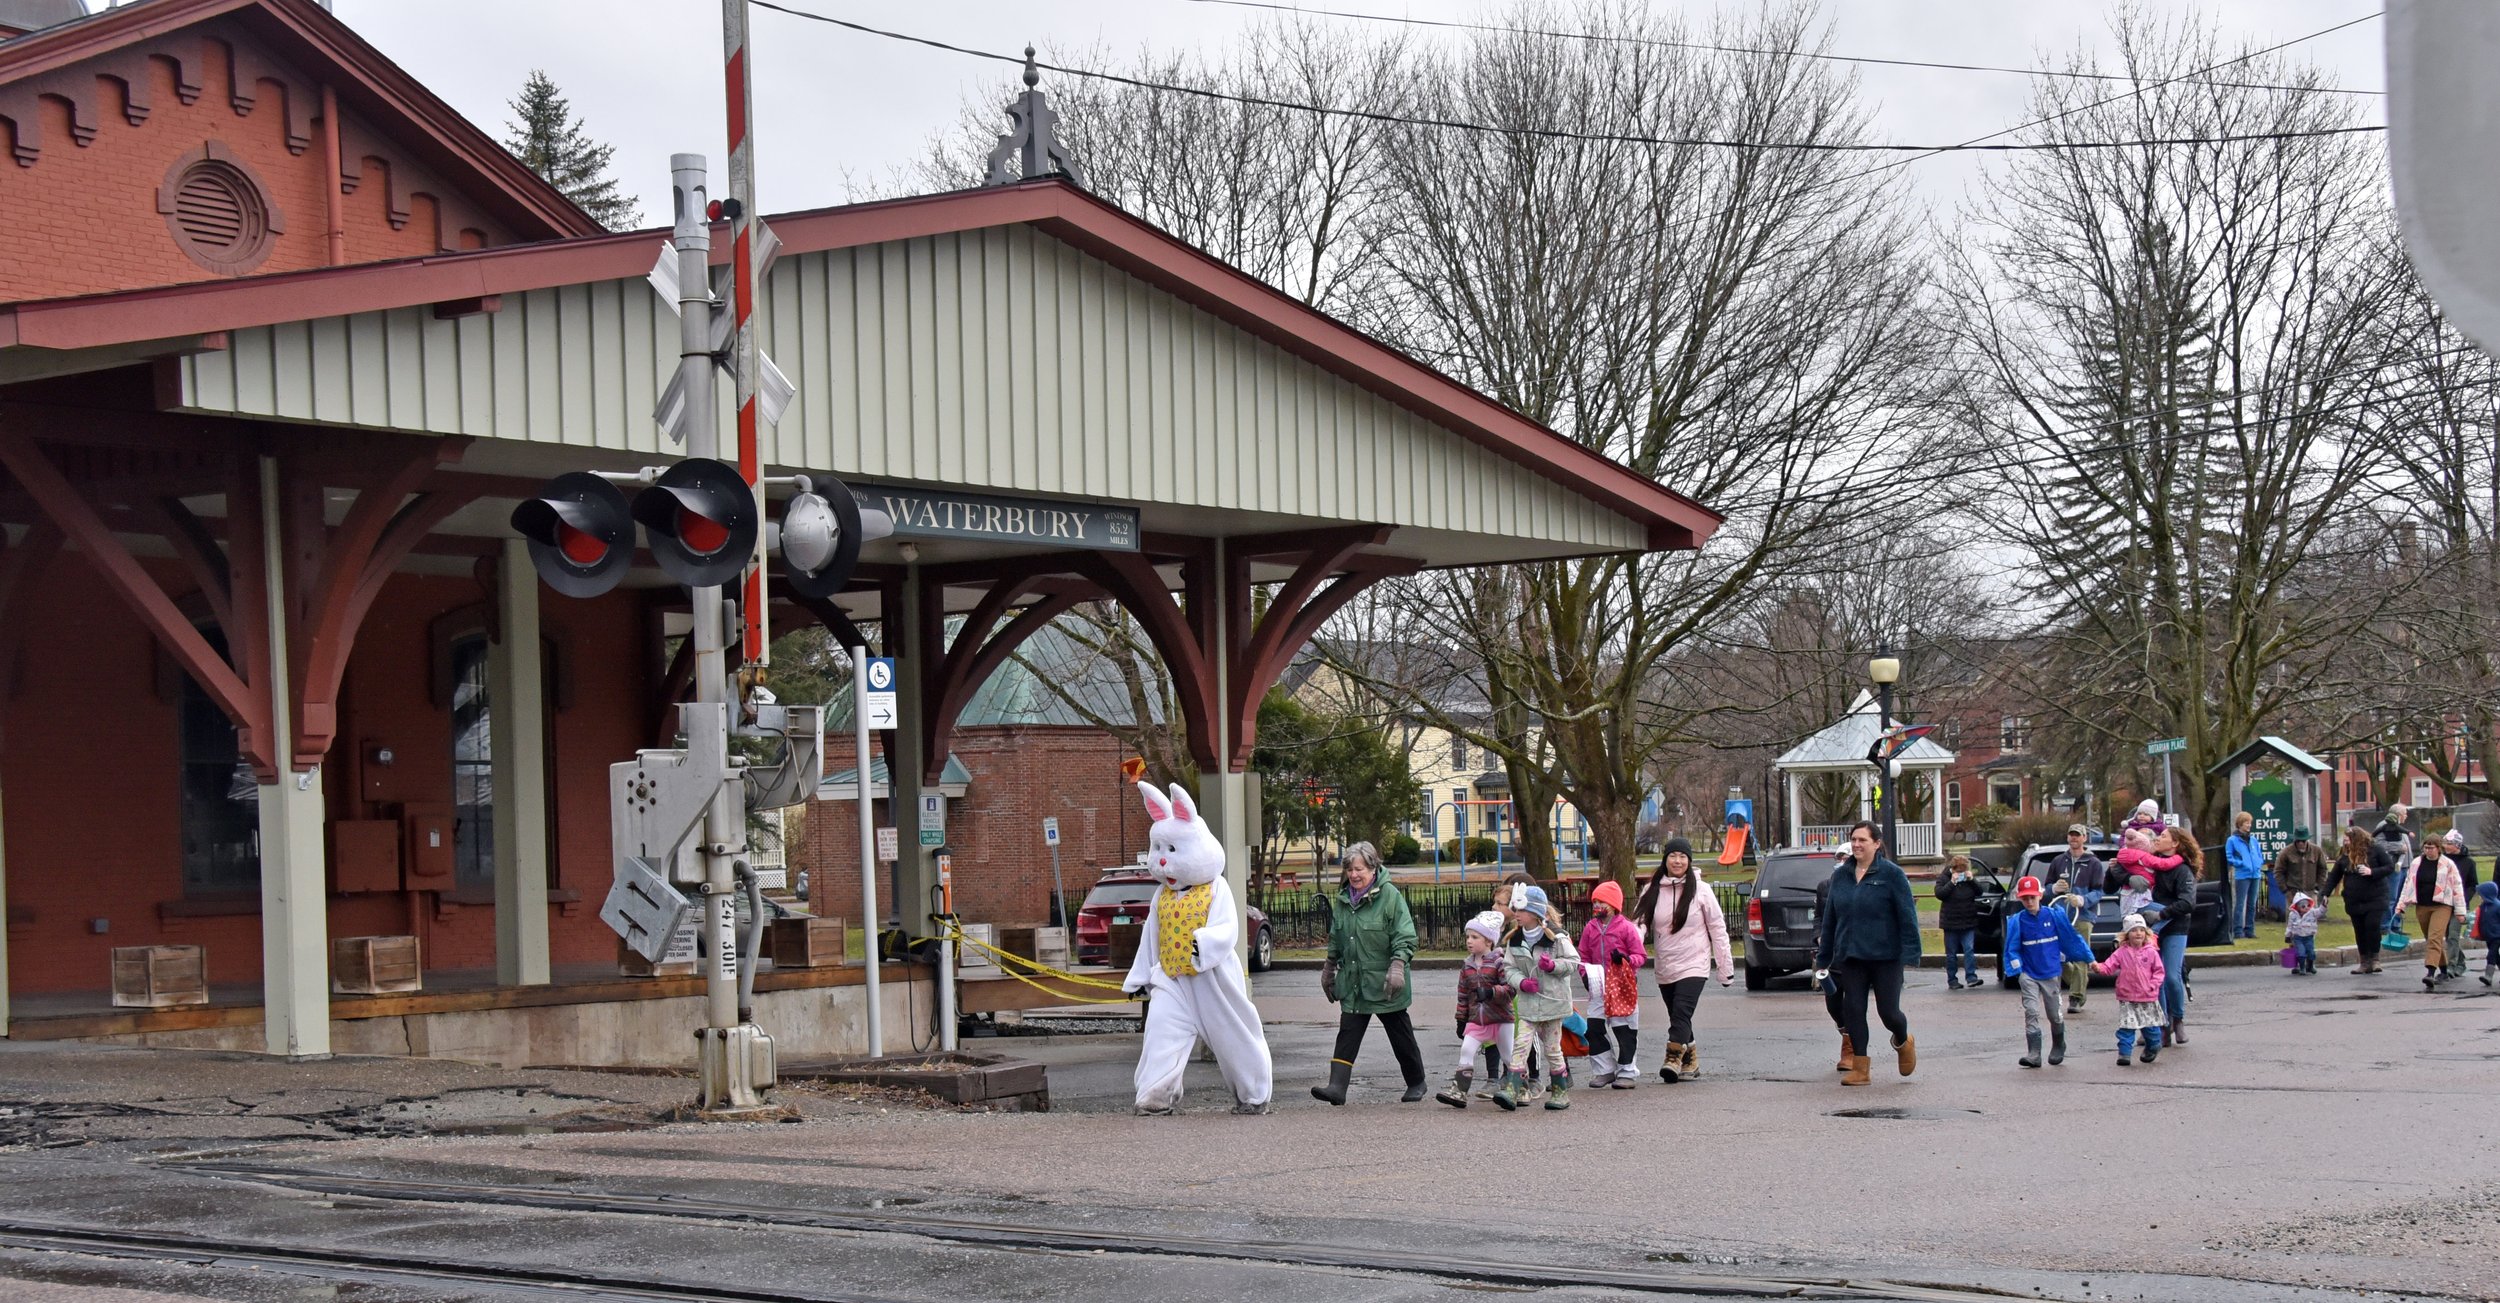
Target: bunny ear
1155	804
1182	807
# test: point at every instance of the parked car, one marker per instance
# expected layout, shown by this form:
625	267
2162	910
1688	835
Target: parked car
1996	899
1780	914
1122	895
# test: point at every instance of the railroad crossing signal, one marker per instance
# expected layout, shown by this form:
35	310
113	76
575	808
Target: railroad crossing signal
700	518
580	532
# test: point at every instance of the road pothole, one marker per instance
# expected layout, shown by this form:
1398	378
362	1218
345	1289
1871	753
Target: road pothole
1891	1113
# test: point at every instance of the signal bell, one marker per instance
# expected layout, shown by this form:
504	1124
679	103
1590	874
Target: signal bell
580	532
700	519
820	538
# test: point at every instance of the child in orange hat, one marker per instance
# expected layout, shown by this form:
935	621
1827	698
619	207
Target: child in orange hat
1612	944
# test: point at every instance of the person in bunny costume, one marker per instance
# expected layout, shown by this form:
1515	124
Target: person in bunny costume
1189	961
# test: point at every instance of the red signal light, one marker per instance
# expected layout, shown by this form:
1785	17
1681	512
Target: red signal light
579	547
701	533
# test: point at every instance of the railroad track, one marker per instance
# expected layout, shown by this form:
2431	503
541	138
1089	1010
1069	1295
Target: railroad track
1002	1236
365	1267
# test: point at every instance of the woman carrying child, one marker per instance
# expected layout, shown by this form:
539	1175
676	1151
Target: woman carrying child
1611	945
1537	963
2137	964
1688	934
1483	1004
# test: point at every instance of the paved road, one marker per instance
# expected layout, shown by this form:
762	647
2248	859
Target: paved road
2318	1136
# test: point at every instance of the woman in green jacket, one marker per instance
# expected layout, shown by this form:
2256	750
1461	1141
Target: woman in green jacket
1371	941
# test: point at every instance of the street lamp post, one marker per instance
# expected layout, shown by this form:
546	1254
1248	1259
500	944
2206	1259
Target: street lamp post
1885	670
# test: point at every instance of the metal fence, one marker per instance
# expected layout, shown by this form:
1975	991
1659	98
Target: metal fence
1300	915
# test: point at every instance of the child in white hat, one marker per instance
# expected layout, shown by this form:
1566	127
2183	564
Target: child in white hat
1483	1004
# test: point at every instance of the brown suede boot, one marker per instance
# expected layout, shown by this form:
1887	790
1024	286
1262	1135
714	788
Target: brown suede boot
1692	1059
1859	1066
1845	1053
1908	1050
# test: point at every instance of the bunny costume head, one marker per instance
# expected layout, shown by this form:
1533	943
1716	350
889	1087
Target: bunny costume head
1181	850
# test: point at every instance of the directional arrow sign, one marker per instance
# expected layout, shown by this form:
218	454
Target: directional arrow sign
877	704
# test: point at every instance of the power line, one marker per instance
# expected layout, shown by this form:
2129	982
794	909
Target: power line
1452	24
1559	133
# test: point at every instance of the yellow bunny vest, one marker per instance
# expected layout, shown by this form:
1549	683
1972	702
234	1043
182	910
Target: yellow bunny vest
1179	913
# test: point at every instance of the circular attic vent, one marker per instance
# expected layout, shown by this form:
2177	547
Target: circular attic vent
217	211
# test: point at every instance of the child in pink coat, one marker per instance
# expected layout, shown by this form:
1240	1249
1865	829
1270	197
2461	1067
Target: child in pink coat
2137	964
1611	944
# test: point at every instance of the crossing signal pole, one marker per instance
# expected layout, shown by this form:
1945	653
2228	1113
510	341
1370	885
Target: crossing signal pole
740	210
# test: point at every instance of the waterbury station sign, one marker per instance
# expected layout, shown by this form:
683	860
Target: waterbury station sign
930	513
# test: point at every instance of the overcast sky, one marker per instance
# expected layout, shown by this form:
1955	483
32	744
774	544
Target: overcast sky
836	110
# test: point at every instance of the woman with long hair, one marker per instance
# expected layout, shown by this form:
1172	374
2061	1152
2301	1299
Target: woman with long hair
2175	891
1870	934
1688	936
2366	872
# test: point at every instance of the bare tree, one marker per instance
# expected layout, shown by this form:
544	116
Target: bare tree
1744	325
2172	352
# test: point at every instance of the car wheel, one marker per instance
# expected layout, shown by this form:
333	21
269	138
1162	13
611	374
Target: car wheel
1263	950
1757	979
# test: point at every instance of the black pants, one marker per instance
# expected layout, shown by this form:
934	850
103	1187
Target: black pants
1681	997
1401	1030
2369	922
1858	979
1834	1005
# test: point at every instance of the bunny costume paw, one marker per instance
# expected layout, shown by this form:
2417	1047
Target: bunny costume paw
1190	962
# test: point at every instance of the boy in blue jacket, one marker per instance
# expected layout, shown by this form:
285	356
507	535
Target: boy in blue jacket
2038	942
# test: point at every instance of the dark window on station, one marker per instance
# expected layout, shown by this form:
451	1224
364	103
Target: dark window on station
472	766
220	799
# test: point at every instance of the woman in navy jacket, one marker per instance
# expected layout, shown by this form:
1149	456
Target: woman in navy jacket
1870	933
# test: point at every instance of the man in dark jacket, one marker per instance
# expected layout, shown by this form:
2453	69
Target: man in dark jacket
1957	916
2300	866
2083	871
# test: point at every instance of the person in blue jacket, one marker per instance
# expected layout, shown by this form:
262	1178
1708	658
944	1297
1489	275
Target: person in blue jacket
2247	859
1869	936
2038	942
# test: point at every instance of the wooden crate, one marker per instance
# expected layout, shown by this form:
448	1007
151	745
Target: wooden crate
375	966
158	977
1045	945
805	942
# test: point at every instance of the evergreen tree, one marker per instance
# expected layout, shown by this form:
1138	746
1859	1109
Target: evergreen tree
549	141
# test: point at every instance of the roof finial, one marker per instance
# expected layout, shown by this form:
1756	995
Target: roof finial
1031	143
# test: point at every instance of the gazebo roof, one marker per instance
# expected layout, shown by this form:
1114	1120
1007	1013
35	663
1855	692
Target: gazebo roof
2273	746
1842	744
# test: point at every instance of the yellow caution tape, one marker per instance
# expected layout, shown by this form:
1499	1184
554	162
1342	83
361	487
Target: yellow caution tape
1009	963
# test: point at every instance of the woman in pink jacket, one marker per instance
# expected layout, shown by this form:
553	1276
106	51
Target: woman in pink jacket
1687	940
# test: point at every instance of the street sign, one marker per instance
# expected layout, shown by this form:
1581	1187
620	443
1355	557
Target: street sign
1050	831
932	837
2443	128
877	705
932	818
2167	746
889	846
2269	802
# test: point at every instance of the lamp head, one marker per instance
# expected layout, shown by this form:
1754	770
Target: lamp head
1884	670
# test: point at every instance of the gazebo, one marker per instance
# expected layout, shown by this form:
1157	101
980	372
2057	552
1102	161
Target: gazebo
1833	761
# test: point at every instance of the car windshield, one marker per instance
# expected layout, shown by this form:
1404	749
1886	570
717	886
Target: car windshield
1120	893
1798	872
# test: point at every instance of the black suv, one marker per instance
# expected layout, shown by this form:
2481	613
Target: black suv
1780	914
1996	900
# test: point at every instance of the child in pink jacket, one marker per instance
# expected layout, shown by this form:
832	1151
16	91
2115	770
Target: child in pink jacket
2137	964
1611	945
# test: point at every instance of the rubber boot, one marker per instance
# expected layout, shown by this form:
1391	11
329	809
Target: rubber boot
1456	1095
1907	1048
1845	1053
2032	1058
2057	1044
1672	1070
1559	1098
1340	1076
1414	1091
1859	1067
1514	1084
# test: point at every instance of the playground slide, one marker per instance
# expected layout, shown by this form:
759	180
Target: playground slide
1734	851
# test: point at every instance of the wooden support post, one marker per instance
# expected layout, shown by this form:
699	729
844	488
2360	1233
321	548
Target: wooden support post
294	896
517	718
